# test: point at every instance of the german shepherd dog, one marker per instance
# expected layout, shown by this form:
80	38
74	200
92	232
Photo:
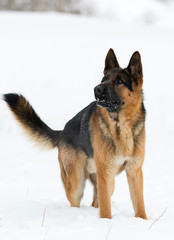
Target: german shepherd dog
102	140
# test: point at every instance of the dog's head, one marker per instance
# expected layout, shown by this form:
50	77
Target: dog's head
120	88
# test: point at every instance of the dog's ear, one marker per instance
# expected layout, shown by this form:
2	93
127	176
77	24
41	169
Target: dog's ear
110	61
135	70
135	66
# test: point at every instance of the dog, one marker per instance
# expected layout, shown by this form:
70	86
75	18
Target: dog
102	140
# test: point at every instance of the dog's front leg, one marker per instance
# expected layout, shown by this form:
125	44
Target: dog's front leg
135	181
105	177
105	189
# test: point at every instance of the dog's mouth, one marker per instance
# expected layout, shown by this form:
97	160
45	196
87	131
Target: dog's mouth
107	98
111	105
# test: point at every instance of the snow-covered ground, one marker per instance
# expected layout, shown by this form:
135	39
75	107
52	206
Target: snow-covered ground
56	61
146	12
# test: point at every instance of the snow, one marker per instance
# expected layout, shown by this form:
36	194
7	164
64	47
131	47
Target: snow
144	12
55	61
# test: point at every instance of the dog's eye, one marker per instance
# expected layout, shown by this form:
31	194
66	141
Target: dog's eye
118	81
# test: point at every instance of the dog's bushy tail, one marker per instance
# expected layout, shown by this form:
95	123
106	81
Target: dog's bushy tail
31	122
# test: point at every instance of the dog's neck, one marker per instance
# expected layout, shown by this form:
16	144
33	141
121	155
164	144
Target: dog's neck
121	117
114	116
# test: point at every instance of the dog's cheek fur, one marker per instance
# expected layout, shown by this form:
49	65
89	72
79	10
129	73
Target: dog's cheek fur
130	100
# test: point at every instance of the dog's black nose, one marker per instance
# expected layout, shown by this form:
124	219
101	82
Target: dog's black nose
98	90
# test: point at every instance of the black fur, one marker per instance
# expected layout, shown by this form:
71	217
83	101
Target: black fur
120	74
77	130
11	99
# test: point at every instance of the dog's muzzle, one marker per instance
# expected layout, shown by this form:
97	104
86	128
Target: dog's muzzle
105	99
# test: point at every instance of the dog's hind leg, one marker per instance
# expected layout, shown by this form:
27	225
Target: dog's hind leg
75	187
72	166
93	179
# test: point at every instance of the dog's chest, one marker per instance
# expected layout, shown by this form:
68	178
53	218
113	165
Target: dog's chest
120	160
124	143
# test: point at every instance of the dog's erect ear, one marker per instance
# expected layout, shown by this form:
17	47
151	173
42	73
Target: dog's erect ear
110	61
135	66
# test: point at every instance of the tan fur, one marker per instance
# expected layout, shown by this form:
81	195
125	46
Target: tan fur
41	141
75	169
72	165
91	166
